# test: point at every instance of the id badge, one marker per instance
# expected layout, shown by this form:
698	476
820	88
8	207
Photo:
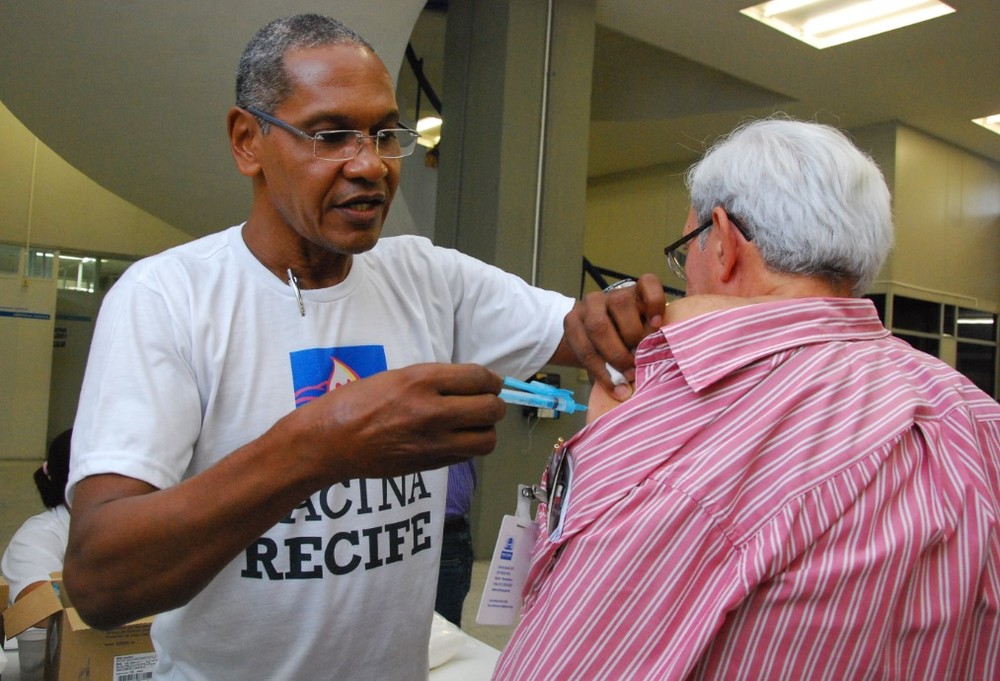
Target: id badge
501	599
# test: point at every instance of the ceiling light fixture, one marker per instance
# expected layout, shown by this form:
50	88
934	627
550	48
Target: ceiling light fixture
991	123
824	23
429	128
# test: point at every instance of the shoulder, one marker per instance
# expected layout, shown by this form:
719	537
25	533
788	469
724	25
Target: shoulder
179	272
185	255
419	256
410	249
402	243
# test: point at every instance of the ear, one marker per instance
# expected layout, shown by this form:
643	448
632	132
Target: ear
726	244
244	137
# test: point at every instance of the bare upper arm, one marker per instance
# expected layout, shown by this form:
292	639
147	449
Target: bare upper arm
99	489
93	492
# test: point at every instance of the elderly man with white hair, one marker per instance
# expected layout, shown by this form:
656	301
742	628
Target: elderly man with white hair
791	492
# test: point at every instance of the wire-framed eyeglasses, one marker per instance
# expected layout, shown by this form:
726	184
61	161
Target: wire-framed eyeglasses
677	252
344	145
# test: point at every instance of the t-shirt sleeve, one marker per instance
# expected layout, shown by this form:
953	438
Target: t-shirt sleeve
501	321
140	411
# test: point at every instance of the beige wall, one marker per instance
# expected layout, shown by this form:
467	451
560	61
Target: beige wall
26	332
47	202
947	211
632	217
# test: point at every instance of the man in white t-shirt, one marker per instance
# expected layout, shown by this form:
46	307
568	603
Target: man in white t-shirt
267	412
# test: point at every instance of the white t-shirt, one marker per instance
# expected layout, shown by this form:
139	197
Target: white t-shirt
201	349
36	550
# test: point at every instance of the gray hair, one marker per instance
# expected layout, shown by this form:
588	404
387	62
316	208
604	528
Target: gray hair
813	203
261	80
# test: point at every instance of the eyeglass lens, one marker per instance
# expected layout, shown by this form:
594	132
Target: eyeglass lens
342	145
677	259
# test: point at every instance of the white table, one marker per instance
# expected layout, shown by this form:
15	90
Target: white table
474	662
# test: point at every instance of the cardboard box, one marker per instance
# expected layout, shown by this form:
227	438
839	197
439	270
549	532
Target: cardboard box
76	652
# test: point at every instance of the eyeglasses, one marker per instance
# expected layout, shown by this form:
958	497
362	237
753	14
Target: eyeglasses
677	252
344	145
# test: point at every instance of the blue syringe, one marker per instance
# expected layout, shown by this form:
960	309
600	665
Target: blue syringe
539	395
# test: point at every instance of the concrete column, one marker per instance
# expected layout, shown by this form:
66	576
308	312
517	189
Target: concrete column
512	184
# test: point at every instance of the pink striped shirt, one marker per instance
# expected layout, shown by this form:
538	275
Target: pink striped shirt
791	493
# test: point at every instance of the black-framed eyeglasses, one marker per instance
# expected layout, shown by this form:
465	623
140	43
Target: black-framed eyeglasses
677	252
344	145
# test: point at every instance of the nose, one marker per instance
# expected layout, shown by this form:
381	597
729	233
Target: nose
366	163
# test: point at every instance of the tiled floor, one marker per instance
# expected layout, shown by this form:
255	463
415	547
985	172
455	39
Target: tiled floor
491	635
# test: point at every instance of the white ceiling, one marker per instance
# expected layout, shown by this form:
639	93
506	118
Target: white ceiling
935	76
134	93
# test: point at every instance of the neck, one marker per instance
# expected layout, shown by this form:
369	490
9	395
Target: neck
312	267
804	286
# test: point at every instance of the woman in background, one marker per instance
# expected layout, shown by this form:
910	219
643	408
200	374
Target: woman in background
37	549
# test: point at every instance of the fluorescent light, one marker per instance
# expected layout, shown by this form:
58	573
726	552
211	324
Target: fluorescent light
429	128
989	122
824	23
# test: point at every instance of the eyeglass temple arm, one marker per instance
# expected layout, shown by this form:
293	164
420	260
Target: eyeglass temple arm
278	122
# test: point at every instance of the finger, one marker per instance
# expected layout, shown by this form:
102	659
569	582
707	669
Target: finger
597	343
604	341
635	311
470	412
465	379
638	310
476	441
652	300
600	402
627	317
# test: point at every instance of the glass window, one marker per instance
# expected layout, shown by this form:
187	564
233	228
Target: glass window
40	263
10	259
931	346
978	362
977	325
916	315
77	273
111	269
971	335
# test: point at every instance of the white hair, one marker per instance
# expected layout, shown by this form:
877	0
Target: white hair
813	203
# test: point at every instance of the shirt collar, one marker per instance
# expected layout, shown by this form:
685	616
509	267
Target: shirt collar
713	345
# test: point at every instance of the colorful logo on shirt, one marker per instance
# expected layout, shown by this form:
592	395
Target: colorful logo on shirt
354	525
320	370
